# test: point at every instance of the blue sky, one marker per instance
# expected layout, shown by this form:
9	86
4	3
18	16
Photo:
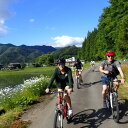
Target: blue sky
57	23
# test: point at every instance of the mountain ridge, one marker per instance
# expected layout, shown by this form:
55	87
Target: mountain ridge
10	53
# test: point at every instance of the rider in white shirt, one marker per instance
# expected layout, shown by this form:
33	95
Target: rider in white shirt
92	63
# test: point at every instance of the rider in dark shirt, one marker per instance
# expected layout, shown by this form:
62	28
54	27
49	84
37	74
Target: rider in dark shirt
78	64
64	80
79	67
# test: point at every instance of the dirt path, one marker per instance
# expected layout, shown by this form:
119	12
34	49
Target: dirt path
87	108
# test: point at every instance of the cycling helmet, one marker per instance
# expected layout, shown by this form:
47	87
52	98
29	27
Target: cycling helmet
110	53
61	60
78	60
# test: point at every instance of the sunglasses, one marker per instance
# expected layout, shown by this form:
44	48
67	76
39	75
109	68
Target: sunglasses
110	56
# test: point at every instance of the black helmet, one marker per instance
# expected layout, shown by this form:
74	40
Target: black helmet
61	60
78	60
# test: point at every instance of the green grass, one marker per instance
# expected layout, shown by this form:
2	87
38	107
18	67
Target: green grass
15	77
86	65
16	102
123	90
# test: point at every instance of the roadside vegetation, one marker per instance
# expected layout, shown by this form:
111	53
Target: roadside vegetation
123	90
14	101
15	77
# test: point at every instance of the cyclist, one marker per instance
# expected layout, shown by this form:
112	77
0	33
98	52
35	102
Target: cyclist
92	63
64	80
79	67
110	68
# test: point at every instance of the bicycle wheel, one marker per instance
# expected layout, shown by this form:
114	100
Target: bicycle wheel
77	82
58	120
108	101
115	107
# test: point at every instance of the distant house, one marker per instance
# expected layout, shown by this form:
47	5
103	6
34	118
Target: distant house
14	66
70	61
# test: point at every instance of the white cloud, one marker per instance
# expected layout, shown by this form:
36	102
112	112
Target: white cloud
3	28
4	14
31	20
63	41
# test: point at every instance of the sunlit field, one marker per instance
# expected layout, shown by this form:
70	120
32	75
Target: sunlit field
15	77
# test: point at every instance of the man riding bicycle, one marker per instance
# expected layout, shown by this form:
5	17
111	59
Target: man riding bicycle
110	68
79	67
64	81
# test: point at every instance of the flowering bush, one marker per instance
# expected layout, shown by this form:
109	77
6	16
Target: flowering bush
24	94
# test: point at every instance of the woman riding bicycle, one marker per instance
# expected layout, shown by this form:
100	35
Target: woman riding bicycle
79	67
110	69
64	81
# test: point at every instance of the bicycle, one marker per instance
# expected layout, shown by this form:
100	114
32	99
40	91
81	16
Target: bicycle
78	79
92	67
112	100
61	110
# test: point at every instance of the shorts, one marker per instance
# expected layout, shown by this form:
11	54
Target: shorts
62	85
105	80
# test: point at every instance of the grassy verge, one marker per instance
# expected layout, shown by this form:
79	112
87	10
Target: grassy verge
14	102
86	65
123	90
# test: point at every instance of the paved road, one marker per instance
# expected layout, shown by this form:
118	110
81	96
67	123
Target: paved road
87	108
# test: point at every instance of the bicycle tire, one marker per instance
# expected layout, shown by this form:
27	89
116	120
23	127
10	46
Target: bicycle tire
58	120
77	83
108	101
115	108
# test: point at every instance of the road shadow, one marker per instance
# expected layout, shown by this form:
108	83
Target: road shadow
86	85
91	118
123	111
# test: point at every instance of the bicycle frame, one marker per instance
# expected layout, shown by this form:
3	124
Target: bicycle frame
61	104
60	111
78	78
112	96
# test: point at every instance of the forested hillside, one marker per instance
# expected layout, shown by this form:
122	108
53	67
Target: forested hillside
10	53
111	33
65	52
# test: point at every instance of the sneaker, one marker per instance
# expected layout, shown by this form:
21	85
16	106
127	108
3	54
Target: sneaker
70	113
104	104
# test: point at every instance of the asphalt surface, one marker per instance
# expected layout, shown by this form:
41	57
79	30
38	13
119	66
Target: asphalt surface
87	107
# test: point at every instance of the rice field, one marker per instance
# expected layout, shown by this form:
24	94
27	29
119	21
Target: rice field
12	78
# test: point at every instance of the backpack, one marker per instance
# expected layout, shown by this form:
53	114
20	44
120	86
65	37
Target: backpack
111	67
